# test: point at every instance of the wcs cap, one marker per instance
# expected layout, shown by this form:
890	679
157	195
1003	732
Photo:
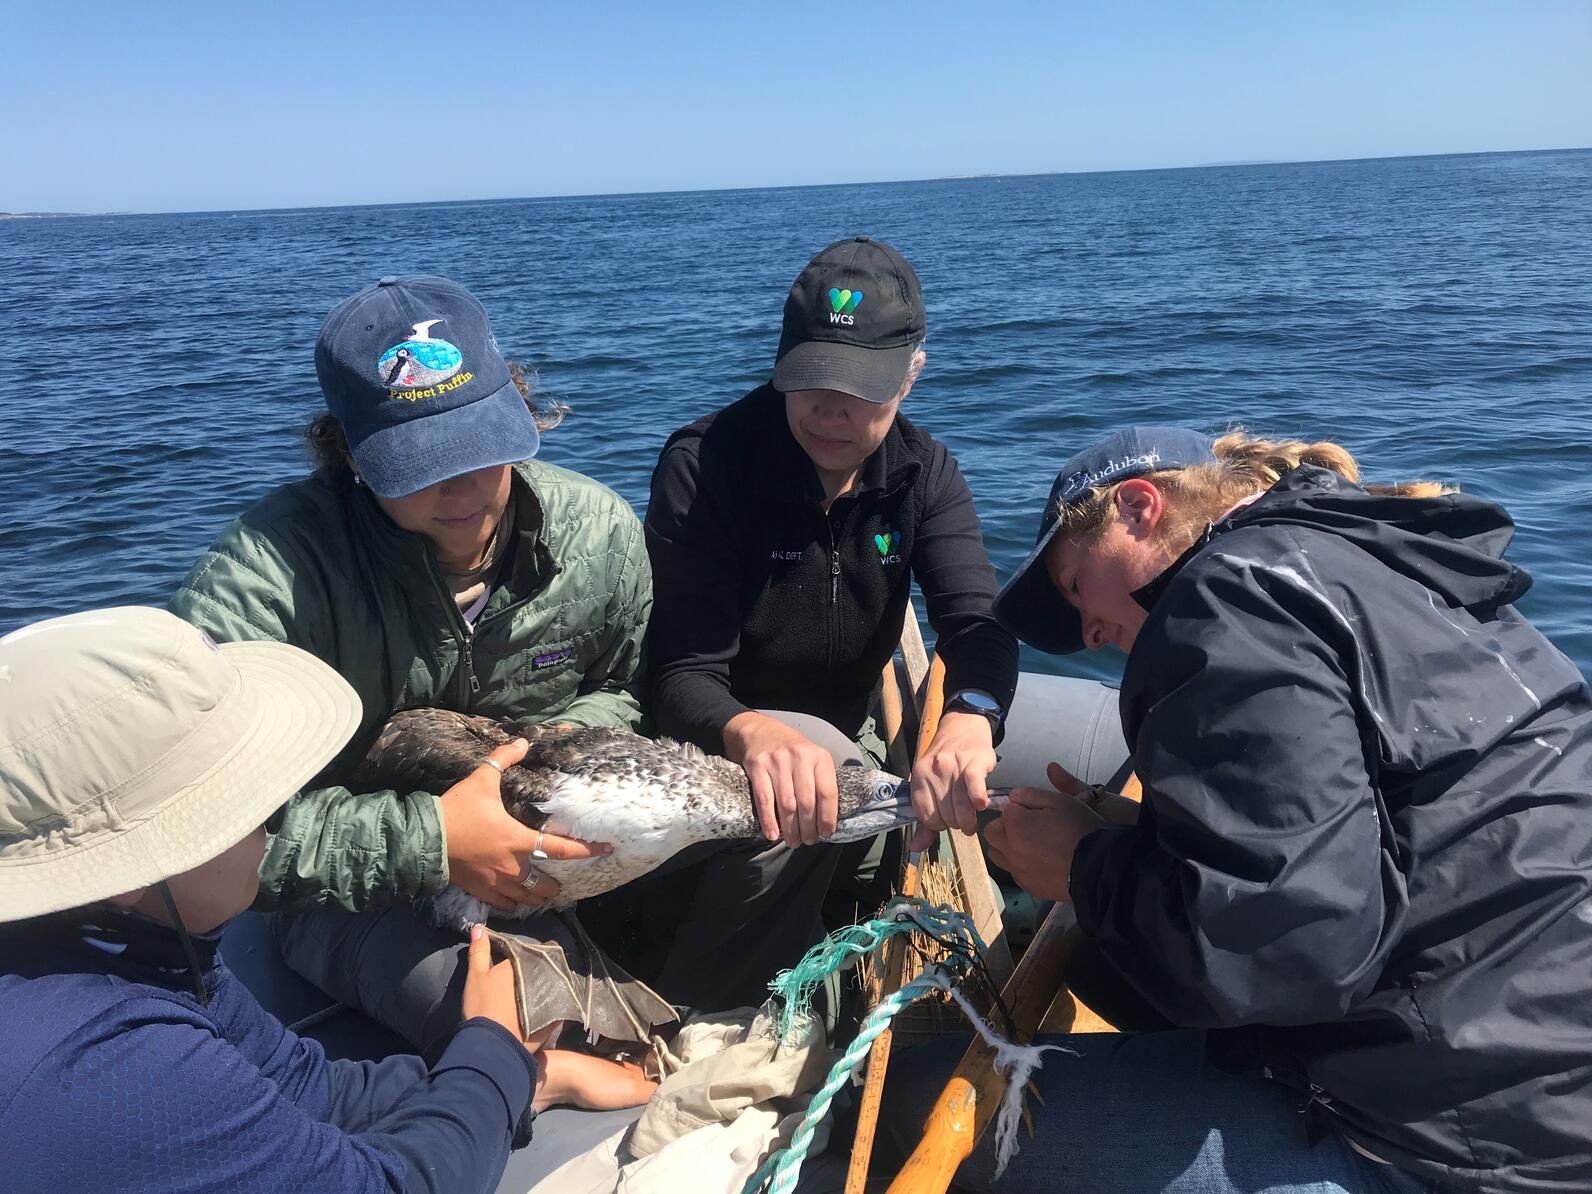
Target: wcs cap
1029	604
852	322
411	370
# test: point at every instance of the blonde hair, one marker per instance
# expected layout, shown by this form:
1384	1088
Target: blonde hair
1245	465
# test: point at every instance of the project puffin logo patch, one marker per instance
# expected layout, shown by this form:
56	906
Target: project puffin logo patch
842	303
414	367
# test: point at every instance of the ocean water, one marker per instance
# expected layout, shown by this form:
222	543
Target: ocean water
1432	314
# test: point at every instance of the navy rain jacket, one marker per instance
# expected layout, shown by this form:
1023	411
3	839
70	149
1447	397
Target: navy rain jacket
1366	838
113	1077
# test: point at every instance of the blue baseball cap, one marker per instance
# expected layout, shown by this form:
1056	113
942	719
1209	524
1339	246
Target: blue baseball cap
1029	605
411	370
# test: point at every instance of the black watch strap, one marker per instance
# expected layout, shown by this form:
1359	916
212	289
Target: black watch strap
977	702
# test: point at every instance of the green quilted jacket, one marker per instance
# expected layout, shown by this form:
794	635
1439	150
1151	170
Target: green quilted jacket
317	564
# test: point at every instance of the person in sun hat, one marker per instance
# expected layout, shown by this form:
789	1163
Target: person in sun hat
1361	875
785	532
139	761
433	563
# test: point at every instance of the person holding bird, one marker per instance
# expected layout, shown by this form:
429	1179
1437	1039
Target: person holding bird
785	532
433	562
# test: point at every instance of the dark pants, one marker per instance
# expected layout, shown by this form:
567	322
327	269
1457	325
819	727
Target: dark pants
392	964
1139	1114
711	927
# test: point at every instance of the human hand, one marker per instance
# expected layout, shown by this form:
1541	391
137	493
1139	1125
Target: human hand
948	779
489	988
488	850
581	1080
1036	836
793	778
1113	806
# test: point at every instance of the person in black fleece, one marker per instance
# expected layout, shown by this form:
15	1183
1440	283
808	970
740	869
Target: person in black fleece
1361	874
785	531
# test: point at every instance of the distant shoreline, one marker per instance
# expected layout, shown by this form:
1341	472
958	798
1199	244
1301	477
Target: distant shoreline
982	177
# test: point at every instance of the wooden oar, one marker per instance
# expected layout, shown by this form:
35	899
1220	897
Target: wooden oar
895	964
970	1098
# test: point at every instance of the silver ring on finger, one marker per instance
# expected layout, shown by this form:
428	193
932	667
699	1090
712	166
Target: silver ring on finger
494	764
538	852
532	877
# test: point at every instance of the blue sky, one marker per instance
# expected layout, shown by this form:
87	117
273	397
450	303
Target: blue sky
185	106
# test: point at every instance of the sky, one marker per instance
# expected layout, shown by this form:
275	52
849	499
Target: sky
176	106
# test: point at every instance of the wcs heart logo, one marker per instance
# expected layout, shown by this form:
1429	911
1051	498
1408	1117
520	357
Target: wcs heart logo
888	544
842	303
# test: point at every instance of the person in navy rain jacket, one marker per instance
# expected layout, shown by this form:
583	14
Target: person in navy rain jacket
139	762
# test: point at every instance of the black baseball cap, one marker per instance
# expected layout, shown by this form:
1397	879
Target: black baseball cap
412	372
1029	605
852	322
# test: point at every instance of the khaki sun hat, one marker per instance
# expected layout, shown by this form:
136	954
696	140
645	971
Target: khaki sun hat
132	749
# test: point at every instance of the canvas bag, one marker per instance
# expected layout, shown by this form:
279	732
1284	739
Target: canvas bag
733	1095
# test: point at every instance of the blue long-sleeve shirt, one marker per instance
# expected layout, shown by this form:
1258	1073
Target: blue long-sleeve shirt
114	1077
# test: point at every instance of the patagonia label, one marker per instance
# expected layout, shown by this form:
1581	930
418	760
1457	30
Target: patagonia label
549	659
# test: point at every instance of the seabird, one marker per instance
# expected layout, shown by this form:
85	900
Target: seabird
647	798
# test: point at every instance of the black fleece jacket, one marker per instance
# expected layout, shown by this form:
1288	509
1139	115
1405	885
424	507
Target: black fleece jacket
1365	848
763	600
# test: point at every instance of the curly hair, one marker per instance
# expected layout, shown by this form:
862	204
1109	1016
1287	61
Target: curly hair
329	446
1245	465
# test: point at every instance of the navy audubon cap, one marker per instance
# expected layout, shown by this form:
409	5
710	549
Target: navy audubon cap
411	370
853	319
1029	605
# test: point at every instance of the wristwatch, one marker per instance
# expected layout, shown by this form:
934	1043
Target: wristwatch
969	700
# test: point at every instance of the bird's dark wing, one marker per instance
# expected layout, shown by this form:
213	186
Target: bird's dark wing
579	749
426	750
430	750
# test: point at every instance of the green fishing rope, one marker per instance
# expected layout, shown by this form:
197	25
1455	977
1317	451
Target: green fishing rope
950	928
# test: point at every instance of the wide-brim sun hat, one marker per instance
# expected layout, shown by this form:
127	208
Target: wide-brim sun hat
1029	604
414	376
133	748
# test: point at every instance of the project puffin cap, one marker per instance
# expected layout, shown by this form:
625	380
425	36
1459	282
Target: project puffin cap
411	370
853	319
1029	605
132	749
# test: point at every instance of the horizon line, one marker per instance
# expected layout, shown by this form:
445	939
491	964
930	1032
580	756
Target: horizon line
983	177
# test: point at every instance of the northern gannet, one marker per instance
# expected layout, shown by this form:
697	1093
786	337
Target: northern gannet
647	798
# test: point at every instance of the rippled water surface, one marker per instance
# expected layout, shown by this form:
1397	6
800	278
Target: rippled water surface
1434	314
